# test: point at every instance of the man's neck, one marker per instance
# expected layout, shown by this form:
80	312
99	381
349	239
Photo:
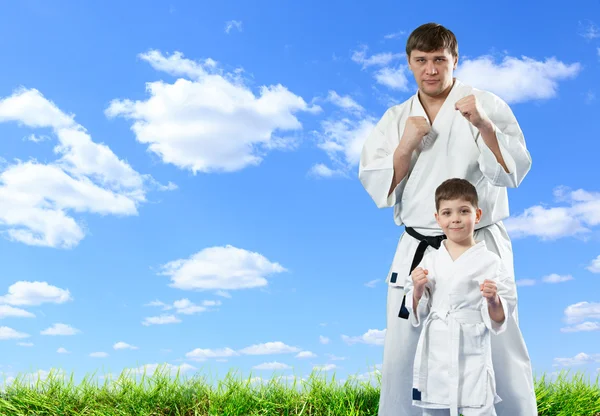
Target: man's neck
433	102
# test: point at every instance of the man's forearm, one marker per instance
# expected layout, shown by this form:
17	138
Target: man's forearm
489	137
496	311
401	165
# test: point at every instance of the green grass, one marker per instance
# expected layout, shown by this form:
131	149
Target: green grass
160	394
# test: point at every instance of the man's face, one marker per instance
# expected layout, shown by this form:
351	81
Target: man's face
433	71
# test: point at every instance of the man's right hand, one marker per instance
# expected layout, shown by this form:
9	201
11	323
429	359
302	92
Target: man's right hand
414	130
419	278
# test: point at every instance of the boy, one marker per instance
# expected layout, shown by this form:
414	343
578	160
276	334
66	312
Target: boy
461	294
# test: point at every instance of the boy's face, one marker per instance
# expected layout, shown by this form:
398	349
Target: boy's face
457	218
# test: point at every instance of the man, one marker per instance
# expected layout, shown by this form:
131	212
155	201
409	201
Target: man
447	129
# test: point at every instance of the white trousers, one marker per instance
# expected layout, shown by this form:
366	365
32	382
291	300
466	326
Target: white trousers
512	366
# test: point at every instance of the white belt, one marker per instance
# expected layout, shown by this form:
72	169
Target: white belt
453	318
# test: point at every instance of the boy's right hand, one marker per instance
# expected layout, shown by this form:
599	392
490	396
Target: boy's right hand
419	278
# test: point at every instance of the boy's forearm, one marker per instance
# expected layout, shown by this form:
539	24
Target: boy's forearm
496	311
415	302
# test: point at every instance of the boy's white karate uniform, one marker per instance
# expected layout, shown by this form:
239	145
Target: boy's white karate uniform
454	148
453	362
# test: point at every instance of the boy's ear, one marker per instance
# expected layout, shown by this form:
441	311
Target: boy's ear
437	219
478	215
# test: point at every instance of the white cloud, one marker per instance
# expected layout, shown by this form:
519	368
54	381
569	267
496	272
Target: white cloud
582	311
62	350
557	222
161	320
163	305
209	303
185	306
124	346
306	354
212	122
394	35
335	358
269	348
393	78
25	344
323	340
381	59
98	355
590	96
342	140
579	359
10	312
35	293
40	376
372	283
589	30
327	367
594	266
517	80
221	268
9	333
322	171
231	24
272	366
582	327
37	138
525	282
200	354
372	336
555	278
223	294
60	329
37	200
345	102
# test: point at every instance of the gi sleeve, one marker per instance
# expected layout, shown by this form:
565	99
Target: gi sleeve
424	305
511	142
376	167
507	293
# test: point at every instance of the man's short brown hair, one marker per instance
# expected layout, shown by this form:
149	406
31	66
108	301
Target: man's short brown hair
431	37
455	188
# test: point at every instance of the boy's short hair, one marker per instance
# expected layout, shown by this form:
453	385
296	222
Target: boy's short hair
456	188
431	37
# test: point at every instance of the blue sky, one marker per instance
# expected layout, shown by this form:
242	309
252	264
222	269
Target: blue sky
178	182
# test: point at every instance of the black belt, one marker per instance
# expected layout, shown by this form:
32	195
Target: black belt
435	242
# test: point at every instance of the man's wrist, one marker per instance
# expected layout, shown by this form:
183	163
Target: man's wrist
485	126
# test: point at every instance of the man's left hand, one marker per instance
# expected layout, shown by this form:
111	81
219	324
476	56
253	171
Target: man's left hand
471	109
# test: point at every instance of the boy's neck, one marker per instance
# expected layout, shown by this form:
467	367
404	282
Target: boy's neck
457	248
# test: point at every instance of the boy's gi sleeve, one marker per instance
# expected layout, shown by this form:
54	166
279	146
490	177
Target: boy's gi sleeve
424	305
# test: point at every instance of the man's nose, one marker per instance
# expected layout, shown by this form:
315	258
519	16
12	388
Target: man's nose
430	68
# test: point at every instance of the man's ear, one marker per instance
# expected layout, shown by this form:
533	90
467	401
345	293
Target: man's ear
455	62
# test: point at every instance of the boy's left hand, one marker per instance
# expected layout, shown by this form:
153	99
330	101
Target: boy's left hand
489	291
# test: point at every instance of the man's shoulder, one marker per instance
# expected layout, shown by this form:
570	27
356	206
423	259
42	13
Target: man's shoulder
485	96
399	108
394	113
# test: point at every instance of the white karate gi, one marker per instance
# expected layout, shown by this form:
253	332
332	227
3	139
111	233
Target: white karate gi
453	362
454	148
